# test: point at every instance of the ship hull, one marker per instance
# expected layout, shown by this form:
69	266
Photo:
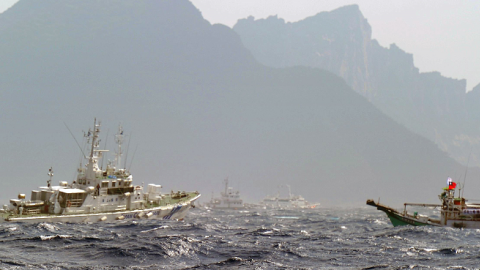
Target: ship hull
464	224
173	212
402	219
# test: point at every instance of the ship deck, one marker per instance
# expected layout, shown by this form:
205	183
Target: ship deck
170	200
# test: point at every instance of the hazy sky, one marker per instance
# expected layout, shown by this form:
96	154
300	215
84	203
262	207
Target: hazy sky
442	35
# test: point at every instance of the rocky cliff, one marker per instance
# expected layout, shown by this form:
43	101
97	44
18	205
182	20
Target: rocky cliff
340	41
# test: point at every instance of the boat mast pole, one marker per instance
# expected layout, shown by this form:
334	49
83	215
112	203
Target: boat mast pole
119	141
226	185
91	161
128	148
289	191
93	138
49	181
106	139
465	178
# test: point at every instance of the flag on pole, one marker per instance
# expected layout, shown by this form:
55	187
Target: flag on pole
452	186
450	183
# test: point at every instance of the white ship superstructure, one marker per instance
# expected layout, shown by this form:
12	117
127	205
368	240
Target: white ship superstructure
289	202
229	199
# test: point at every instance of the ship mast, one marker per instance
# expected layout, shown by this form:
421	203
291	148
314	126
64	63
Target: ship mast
289	191
95	154
49	181
226	185
119	141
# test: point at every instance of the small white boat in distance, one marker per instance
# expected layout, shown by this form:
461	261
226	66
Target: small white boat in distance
98	195
229	199
289	202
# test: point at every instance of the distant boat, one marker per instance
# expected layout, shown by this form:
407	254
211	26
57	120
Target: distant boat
98	195
454	211
229	199
290	202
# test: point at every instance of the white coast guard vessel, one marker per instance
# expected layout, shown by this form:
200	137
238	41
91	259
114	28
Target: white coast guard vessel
98	195
289	202
229	199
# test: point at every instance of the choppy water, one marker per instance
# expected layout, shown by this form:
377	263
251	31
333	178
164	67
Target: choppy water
255	239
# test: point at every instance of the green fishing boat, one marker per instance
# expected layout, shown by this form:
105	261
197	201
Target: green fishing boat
455	212
404	218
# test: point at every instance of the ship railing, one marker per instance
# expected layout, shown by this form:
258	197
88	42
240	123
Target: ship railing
423	204
75	202
31	211
419	204
456	213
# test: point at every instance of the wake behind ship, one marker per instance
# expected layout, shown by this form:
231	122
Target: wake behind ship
98	195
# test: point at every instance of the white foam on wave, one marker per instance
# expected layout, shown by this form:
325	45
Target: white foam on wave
286	217
304	232
154	229
47	226
380	222
49	237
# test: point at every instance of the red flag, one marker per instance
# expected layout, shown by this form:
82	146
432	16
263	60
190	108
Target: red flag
452	185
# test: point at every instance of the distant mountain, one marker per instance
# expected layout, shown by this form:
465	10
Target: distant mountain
340	41
199	108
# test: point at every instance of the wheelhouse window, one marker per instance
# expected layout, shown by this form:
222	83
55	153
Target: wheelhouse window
71	199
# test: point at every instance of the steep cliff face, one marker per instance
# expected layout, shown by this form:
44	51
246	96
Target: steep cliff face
472	103
337	41
340	41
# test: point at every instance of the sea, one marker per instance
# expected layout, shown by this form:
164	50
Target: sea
320	238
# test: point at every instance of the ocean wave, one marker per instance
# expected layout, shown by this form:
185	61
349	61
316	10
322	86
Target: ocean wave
51	237
359	239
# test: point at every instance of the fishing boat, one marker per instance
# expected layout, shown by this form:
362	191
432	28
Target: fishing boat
98	195
229	199
400	218
455	212
289	202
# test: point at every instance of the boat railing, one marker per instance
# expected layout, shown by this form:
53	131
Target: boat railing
423	204
74	203
419	204
31	211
